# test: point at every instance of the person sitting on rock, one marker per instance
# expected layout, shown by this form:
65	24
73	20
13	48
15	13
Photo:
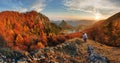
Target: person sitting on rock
85	37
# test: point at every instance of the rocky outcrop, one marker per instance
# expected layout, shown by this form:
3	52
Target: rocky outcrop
96	58
63	53
73	51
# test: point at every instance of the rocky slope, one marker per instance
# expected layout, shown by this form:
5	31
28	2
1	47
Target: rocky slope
106	31
76	51
71	51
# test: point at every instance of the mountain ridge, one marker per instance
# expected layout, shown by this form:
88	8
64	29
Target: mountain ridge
106	31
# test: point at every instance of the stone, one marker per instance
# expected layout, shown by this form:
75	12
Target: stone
70	49
47	49
96	58
77	41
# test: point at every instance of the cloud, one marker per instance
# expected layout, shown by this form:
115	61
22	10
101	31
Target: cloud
23	5
101	7
39	5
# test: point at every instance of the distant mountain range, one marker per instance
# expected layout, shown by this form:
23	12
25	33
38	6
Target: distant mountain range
76	23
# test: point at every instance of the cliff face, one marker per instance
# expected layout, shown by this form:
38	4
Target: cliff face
23	31
107	31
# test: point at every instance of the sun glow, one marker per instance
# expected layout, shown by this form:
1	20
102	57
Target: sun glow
97	16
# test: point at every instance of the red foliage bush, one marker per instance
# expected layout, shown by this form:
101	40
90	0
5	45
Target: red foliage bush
56	39
74	35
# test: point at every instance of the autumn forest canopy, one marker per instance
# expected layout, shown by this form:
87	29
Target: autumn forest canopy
27	31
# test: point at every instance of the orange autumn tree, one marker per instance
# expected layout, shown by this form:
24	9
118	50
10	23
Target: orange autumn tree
40	45
19	40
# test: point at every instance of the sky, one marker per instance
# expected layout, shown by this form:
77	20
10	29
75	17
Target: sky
65	9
